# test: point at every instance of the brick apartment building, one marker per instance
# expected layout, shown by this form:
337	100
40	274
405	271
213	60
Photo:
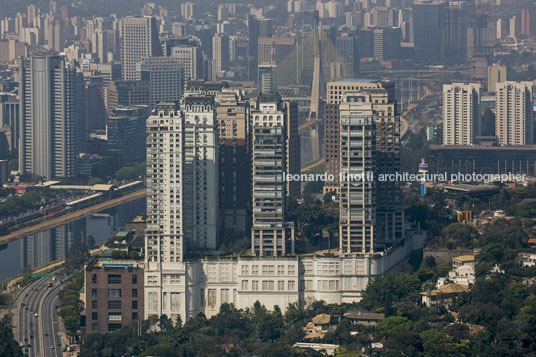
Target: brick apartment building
113	294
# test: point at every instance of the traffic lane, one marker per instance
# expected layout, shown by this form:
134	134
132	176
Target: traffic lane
50	323
30	321
33	321
25	323
20	306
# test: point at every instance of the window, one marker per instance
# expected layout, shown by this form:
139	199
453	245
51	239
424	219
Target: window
165	298
308	285
211	297
308	267
134	278
94	316
225	273
328	268
114	327
94	278
175	301
114	293
212	272
255	285
254	270
280	270
114	316
244	285
94	327
268	270
152	279
134	316
291	270
114	279
174	279
267	285
291	285
94	293
134	304
134	293
94	304
245	269
114	304
281	285
225	296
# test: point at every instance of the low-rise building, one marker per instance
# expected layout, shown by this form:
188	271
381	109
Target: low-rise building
443	296
363	317
318	327
463	270
527	259
136	225
114	294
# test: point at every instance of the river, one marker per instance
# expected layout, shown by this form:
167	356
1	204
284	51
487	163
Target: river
43	247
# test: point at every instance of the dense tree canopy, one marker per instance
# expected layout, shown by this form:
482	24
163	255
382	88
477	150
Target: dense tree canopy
8	346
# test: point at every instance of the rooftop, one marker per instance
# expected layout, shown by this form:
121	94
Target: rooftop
363	315
104	262
465	258
322	319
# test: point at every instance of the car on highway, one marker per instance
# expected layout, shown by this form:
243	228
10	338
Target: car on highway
35	314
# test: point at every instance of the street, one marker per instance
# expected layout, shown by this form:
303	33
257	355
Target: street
38	334
50	324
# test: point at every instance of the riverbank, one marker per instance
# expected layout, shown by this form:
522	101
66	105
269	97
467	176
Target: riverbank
71	216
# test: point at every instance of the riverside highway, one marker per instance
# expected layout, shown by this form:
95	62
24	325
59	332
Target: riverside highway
71	216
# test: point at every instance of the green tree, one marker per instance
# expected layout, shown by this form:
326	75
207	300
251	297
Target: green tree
407	343
383	291
393	324
8	346
436	343
458	235
526	322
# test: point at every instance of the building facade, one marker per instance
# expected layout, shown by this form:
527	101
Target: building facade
165	76
201	286
220	55
51	117
514	116
126	94
233	115
496	74
164	236
191	59
461	113
334	94
270	234
200	182
9	119
114	294
357	214
125	127
139	39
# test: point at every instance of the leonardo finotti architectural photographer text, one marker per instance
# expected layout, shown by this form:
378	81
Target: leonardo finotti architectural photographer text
407	177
